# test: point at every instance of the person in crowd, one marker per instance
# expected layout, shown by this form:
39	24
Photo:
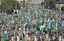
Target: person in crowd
63	38
63	23
39	39
60	38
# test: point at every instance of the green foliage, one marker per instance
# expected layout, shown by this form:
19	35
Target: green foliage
50	5
9	5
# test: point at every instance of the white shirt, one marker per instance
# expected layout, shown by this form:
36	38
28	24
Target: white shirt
12	38
46	35
53	37
62	23
18	38
35	38
60	38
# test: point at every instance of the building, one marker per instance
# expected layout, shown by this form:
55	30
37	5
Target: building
32	1
60	3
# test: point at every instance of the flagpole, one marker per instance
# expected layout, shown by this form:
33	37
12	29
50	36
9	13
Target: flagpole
24	29
27	29
15	32
16	25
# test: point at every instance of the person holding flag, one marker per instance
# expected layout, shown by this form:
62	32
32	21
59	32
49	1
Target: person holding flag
5	37
56	25
18	14
39	24
54	28
50	23
63	23
43	25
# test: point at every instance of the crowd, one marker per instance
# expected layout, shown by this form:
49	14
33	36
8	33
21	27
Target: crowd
32	23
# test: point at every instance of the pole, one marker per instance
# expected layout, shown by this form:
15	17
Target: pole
24	29
15	32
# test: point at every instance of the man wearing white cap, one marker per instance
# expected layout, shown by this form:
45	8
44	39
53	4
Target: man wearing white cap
18	38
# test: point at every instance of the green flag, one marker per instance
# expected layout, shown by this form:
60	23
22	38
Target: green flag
45	28
19	14
26	21
39	12
54	29
5	38
39	24
17	21
61	29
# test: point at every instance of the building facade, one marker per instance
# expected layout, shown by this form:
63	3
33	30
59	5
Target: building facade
37	1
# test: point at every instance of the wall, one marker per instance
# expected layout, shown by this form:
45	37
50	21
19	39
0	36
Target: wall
59	6
37	1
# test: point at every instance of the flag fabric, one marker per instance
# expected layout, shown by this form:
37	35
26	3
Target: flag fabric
17	21
39	24
50	24
26	21
44	21
57	25
54	16
45	28
54	28
7	32
39	12
62	23
24	27
5	38
41	27
12	21
19	14
61	29
43	24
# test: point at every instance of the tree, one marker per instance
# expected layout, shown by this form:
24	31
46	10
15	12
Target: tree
9	5
51	5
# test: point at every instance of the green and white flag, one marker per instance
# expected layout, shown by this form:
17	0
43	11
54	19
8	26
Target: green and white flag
43	24
26	21
40	24
39	12
19	14
54	29
5	38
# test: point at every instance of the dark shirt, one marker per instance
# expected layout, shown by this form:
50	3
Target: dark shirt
39	39
56	39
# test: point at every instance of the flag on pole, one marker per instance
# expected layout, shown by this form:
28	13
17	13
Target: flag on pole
39	12
12	21
50	24
24	27
63	23
43	24
7	32
39	24
27	21
54	28
5	38
19	14
57	25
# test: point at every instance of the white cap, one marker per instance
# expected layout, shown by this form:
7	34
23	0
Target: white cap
19	28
